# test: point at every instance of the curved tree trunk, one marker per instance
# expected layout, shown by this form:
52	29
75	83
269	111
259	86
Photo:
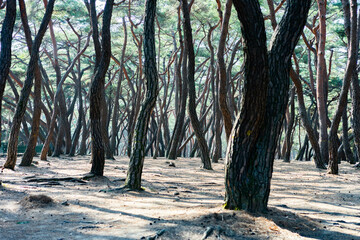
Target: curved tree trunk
354	81
25	91
35	126
205	158
133	178
5	57
349	73
306	121
214	81
222	71
248	123
97	89
251	153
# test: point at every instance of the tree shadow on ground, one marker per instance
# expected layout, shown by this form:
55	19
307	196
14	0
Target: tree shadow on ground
240	225
305	226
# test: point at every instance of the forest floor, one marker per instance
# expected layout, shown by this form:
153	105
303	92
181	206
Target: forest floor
178	202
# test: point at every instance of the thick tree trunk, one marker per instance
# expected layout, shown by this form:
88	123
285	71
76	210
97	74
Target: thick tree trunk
97	90
5	57
133	178
25	91
205	158
239	181
250	156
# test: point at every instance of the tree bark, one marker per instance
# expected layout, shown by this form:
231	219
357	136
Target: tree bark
5	57
251	151
306	121
205	158
345	139
35	126
222	71
97	88
133	178
349	73
25	91
321	79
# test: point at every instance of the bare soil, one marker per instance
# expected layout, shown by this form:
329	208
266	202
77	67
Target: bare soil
49	201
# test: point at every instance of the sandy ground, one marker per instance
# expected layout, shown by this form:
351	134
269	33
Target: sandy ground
181	202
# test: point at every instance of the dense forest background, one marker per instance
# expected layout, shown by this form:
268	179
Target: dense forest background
68	58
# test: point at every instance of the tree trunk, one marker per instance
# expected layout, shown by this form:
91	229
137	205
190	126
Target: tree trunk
25	91
205	158
345	140
250	156
222	71
180	118
133	178
306	121
115	117
321	79
97	89
354	81
35	126
349	73
289	130
5	57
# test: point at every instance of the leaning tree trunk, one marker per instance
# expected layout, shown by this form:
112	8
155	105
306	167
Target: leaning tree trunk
252	144
5	57
306	121
35	126
96	92
349	73
205	158
25	91
133	178
354	81
245	133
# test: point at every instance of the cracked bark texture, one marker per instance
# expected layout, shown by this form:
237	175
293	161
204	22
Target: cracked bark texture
97	86
251	150
133	178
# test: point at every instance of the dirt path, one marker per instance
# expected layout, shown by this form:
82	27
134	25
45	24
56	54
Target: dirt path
181	202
